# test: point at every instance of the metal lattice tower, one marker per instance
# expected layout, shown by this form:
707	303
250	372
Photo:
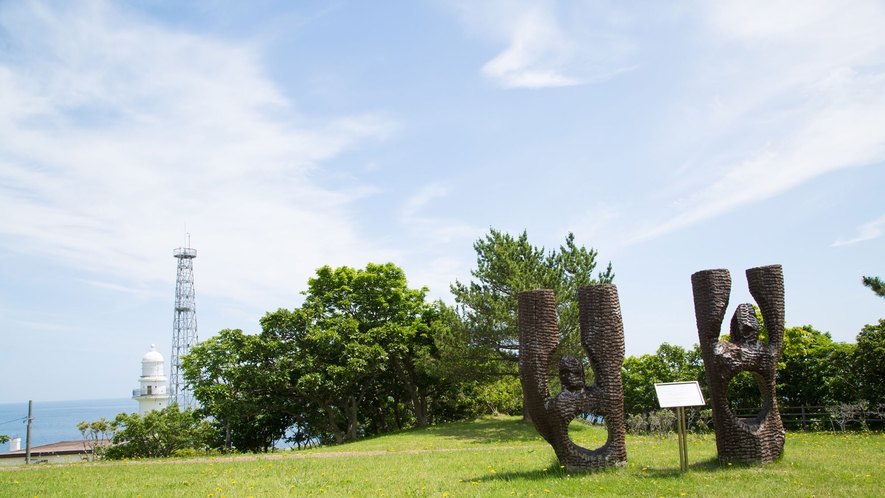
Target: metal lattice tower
184	326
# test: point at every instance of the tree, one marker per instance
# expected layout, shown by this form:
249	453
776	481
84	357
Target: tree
809	372
485	337
158	433
870	360
669	364
96	432
4	439
813	370
236	380
356	339
875	284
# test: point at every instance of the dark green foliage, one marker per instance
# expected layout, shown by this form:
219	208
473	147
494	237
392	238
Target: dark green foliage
355	351
4	439
353	359
482	342
812	370
158	433
875	284
234	378
507	266
870	362
669	364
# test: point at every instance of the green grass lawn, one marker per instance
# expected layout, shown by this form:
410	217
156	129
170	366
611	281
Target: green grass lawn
489	457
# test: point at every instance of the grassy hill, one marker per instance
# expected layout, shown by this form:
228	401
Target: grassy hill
488	457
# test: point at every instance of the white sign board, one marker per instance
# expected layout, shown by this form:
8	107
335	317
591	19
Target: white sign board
676	394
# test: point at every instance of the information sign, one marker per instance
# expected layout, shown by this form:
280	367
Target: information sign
679	395
676	394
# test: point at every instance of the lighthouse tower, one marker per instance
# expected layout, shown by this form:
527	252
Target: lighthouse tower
152	393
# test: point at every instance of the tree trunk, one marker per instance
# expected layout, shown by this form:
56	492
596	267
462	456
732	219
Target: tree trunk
336	431
526	418
423	401
351	418
227	444
396	414
380	418
406	376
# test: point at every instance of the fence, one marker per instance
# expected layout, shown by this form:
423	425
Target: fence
835	417
842	417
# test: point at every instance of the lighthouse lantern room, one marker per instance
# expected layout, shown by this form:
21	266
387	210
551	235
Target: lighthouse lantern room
152	393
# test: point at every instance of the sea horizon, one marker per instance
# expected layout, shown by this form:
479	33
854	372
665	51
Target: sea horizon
55	421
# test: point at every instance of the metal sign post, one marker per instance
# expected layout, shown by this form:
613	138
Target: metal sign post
679	395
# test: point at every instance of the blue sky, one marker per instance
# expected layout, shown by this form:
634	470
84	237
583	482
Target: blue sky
670	137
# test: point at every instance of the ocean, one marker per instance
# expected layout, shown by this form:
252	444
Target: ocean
56	421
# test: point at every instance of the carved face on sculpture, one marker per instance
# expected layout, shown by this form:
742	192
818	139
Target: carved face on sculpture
744	326
758	439
571	373
602	339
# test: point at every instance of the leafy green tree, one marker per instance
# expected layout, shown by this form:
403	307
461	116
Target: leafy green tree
807	372
875	284
484	339
357	333
843	383
158	433
813	370
4	439
669	364
236	380
96	432
870	360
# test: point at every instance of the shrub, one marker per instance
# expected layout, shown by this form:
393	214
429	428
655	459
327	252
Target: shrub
159	434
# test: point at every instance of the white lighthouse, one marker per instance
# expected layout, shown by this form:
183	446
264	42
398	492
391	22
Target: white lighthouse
152	393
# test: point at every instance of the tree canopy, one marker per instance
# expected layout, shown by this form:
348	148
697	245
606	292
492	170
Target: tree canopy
484	338
235	377
875	284
357	330
870	361
158	433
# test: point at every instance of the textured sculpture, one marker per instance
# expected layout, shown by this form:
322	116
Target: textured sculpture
760	439
602	336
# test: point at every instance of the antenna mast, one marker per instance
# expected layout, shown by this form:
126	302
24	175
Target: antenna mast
184	325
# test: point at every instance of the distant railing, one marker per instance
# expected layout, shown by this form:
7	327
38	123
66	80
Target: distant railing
146	392
186	253
834	417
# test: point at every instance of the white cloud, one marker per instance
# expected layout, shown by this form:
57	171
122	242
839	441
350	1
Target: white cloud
867	231
786	92
422	198
117	131
548	45
537	48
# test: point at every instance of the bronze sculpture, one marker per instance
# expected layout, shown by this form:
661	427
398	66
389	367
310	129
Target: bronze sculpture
760	439
602	337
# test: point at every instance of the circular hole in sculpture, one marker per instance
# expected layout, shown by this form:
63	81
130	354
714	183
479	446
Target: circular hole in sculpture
744	396
588	430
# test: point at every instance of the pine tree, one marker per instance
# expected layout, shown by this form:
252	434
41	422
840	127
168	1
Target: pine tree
875	284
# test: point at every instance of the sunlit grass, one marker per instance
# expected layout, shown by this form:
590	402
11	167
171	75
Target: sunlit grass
490	457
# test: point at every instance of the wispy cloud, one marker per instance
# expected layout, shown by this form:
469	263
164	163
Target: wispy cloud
867	231
548	43
138	291
117	131
536	53
436	229
792	91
